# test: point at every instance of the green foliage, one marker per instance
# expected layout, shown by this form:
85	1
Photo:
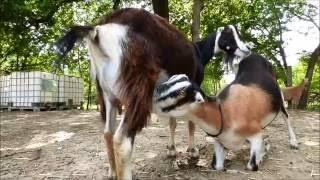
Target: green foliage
180	15
28	29
213	74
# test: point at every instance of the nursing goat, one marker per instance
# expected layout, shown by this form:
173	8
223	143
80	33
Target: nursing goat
131	52
240	112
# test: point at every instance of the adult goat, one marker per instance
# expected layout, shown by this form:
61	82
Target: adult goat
239	113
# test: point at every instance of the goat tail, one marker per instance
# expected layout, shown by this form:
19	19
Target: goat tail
76	33
284	111
282	108
101	102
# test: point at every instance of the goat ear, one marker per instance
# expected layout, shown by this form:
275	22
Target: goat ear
211	98
220	29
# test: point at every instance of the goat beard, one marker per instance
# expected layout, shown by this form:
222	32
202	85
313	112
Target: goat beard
228	60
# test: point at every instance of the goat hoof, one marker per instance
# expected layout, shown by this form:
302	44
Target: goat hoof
252	166
193	153
171	153
112	177
218	168
294	145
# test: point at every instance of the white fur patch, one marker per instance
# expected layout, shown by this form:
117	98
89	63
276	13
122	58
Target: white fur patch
216	48
106	59
241	54
167	102
292	136
179	112
111	113
176	77
124	150
257	148
242	46
199	97
220	155
175	87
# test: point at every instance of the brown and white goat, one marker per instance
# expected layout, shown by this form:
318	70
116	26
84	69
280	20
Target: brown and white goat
131	52
239	113
294	93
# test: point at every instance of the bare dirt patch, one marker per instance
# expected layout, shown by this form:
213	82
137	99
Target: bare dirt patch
69	145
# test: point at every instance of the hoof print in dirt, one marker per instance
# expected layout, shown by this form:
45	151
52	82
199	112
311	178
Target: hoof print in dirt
193	153
193	161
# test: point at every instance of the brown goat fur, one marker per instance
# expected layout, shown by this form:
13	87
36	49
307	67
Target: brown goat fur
142	60
254	106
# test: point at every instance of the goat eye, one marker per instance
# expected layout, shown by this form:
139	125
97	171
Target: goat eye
182	93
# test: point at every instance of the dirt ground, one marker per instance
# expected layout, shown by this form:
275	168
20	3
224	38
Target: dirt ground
69	145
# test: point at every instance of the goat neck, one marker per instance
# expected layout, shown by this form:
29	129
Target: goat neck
208	117
205	48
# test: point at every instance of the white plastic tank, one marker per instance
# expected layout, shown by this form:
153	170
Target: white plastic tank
37	89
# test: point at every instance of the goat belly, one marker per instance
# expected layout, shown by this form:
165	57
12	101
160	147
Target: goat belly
231	140
267	120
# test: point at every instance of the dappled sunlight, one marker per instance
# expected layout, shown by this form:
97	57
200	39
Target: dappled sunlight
44	139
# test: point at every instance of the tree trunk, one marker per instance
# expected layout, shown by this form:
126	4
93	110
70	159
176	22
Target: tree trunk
288	69
195	28
311	64
89	95
289	76
161	7
17	63
116	4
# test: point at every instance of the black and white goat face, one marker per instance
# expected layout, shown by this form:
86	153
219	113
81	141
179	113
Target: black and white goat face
177	96
228	40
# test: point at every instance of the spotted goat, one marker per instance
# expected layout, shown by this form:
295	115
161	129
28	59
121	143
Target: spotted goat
238	114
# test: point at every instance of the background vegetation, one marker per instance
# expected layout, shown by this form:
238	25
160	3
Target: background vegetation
28	29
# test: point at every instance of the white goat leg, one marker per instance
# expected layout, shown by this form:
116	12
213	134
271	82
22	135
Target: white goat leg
108	136
292	136
220	155
123	146
257	151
